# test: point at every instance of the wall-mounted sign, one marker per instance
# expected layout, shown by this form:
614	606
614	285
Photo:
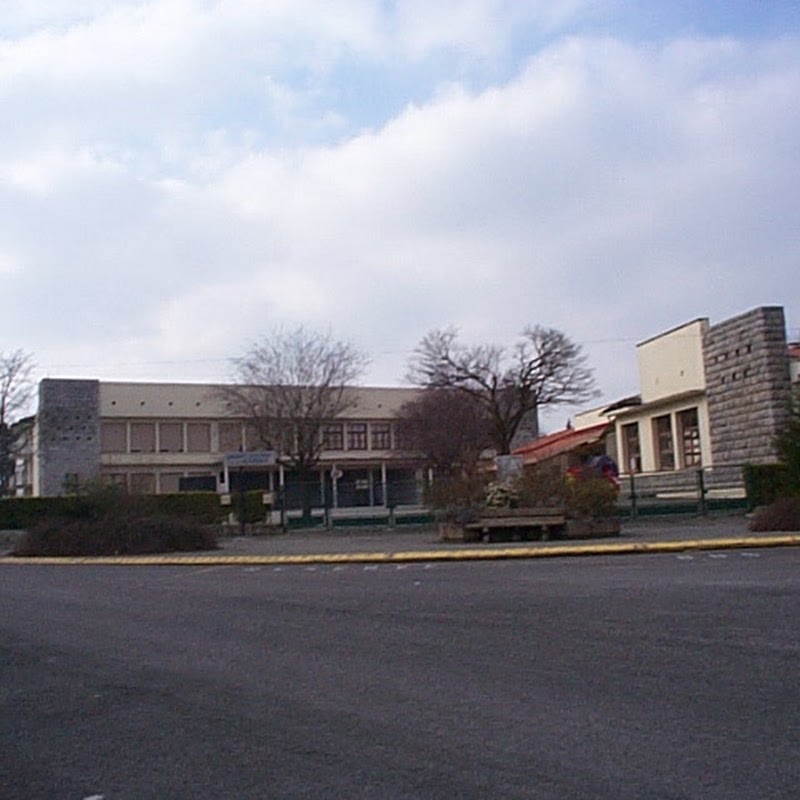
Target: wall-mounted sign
255	458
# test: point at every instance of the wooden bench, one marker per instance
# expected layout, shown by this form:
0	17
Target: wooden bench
525	524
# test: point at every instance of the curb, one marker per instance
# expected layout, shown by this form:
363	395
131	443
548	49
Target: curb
474	554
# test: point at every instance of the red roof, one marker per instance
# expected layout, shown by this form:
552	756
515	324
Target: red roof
562	442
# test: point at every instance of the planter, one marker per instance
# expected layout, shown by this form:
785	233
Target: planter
456	532
592	527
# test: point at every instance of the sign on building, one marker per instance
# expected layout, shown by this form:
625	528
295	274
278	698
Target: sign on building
254	458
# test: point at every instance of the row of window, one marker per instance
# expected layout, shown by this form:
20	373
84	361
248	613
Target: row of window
150	483
197	437
743	350
688	450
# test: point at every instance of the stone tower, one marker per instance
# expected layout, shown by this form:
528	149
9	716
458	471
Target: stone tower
747	385
68	434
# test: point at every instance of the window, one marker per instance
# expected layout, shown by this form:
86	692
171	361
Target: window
252	438
357	436
664	447
143	483
143	437
403	440
198	437
381	434
114	437
332	437
689	432
170	437
116	479
631	447
230	437
169	482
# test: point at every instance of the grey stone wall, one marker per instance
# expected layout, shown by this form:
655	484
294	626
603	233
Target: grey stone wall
68	433
747	385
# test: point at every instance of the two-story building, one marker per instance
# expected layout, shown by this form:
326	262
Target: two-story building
158	438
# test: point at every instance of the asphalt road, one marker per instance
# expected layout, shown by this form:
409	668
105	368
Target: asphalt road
627	677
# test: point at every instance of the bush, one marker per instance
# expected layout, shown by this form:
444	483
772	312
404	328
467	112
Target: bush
788	444
456	498
18	513
542	486
591	497
114	534
782	515
765	483
103	520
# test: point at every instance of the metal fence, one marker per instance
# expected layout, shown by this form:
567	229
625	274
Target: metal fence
691	491
307	503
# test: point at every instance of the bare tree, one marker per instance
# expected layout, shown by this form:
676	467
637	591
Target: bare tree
288	386
16	390
543	368
450	428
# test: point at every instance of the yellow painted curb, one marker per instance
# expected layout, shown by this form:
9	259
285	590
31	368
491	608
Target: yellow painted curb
467	554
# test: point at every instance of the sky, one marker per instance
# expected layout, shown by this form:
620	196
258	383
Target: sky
179	178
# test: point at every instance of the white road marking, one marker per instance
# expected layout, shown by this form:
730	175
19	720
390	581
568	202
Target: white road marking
685	558
750	555
717	555
371	568
95	797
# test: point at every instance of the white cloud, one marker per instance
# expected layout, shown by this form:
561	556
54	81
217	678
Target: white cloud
609	188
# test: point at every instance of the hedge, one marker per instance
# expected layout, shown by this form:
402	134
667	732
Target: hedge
19	513
765	483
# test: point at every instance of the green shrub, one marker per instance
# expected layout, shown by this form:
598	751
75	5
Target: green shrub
765	483
103	520
456	498
591	497
787	444
19	513
782	515
542	486
114	534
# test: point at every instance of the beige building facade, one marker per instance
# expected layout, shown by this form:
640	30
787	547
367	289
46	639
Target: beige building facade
158	438
669	429
711	396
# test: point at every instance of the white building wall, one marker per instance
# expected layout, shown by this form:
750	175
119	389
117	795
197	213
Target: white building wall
644	418
672	363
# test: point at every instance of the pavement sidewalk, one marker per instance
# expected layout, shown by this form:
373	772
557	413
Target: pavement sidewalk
420	543
426	537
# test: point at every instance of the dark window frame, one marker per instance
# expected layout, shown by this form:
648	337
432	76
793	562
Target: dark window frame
664	443
357	436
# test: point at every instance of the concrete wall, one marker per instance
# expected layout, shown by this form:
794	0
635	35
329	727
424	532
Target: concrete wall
748	385
206	401
644	417
672	362
68	434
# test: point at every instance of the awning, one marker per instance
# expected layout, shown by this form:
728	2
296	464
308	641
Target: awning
562	442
